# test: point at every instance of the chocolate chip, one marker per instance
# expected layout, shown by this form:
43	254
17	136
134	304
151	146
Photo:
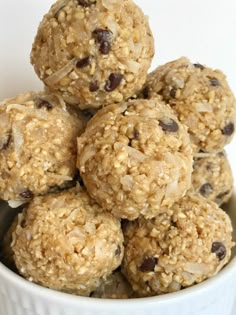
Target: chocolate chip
206	189
41	103
26	194
113	81
118	251
105	47
173	93
169	126
219	249
228	129
148	264
199	66
5	142
145	92
104	38
82	63
214	82
93	86
86	3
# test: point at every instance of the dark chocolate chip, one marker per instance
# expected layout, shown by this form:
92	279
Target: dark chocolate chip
113	81
5	142
206	189
173	93
102	35
105	48
118	251
130	143
228	129
145	92
214	82
104	38
199	66
41	103
219	249
26	194
93	86
169	126
148	264
82	63
86	3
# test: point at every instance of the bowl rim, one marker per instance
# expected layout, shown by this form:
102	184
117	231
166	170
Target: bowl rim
22	284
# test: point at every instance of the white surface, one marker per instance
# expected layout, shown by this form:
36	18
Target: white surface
203	30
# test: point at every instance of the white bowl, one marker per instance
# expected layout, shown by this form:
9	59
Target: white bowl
212	297
180	28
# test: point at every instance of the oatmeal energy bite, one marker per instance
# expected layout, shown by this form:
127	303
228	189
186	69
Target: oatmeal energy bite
65	242
212	177
37	145
93	52
187	244
201	98
135	158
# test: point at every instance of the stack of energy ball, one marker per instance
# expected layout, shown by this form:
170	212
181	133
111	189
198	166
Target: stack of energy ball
122	173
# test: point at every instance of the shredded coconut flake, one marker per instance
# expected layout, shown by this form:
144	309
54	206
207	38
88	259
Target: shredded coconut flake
15	203
60	74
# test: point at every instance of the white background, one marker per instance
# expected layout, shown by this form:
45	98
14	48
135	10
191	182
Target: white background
203	30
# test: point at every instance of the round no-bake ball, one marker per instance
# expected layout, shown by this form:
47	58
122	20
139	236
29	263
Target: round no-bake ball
94	52
37	145
65	242
201	98
212	177
135	158
187	244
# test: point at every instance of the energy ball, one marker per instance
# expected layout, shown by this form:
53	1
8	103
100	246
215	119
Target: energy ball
201	98
65	242
93	52
114	287
185	245
135	158
37	145
212	177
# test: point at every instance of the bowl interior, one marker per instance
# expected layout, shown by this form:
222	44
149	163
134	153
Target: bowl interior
7	215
